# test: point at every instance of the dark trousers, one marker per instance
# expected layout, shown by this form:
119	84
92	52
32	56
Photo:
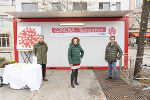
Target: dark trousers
74	75
43	69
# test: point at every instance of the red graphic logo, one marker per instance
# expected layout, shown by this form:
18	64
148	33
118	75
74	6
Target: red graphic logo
27	37
112	31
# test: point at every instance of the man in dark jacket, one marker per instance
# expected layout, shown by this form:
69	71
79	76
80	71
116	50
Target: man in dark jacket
40	51
111	56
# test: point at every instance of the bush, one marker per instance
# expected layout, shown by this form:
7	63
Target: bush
2	59
4	63
12	62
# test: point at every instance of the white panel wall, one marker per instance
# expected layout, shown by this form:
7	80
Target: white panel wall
94	47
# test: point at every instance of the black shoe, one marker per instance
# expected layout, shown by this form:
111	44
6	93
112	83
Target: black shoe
72	85
76	83
114	80
108	78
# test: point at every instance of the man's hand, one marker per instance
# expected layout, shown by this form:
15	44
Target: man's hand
71	64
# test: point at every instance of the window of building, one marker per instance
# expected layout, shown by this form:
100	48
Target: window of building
100	5
118	6
29	7
4	40
4	2
3	22
104	6
13	2
79	6
7	2
56	6
137	3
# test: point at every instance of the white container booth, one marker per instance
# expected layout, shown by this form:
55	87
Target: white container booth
93	29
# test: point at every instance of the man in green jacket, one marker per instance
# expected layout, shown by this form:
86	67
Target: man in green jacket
111	56
40	51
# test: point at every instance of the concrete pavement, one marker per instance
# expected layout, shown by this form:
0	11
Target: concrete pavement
58	88
146	57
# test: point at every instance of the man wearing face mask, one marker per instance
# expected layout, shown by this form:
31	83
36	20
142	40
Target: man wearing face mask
40	51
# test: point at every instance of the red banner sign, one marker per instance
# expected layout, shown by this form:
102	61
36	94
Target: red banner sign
78	29
84	31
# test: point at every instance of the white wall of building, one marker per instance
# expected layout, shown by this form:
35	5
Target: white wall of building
92	5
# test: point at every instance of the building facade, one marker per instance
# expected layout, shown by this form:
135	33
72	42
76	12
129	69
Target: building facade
135	19
6	29
71	5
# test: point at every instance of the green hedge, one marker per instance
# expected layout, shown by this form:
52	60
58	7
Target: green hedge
12	62
2	59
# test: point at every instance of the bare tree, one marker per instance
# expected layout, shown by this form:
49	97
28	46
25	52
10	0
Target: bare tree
142	36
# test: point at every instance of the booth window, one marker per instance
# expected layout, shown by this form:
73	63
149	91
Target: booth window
78	6
118	6
56	6
29	7
3	22
104	6
4	40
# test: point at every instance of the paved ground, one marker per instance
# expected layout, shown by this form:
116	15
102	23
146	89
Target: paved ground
146	60
91	87
58	88
120	90
133	51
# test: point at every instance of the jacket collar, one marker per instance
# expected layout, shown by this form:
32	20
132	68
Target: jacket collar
74	45
115	43
40	42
